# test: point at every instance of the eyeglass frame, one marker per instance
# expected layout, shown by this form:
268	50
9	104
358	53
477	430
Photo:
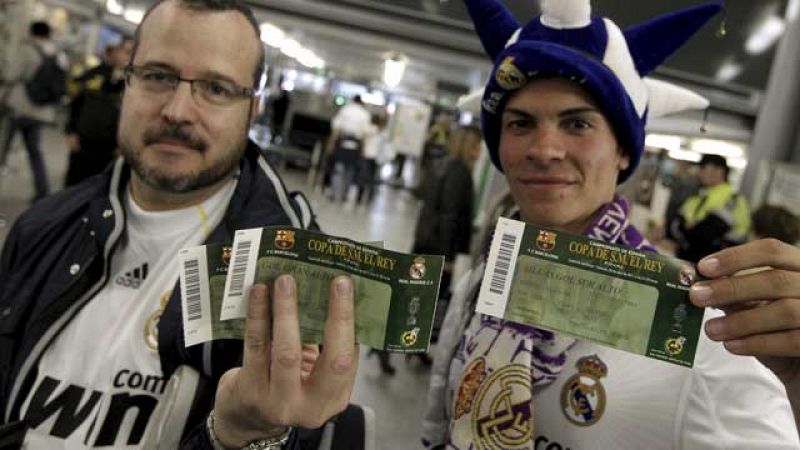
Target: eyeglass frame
242	92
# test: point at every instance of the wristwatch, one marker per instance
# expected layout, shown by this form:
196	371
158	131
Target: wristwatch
273	443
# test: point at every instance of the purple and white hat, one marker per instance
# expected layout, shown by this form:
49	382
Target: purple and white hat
611	64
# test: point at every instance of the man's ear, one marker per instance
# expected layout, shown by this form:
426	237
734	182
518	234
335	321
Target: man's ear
624	160
254	108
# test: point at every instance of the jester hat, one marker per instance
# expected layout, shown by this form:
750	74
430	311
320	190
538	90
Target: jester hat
611	64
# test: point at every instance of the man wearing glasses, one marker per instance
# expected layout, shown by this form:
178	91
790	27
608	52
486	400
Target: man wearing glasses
91	339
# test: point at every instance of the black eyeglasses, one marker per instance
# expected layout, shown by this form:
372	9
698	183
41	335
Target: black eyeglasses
160	81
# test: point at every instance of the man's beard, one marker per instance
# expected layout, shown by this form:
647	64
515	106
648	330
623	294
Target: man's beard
179	184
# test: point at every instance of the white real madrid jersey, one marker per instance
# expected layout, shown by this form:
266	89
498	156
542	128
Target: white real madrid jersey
608	399
100	382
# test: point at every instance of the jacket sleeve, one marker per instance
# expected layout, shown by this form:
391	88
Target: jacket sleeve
75	106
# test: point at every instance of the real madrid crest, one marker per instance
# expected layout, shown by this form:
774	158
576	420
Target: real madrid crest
417	269
503	415
151	326
546	240
508	76
284	239
583	398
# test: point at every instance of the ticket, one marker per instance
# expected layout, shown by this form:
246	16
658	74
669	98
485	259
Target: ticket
611	295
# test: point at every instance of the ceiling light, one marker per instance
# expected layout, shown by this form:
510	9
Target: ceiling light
291	48
728	71
133	15
394	68
663	141
271	35
717	147
309	59
114	7
765	35
684	155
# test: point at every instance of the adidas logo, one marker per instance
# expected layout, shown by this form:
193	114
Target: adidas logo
134	278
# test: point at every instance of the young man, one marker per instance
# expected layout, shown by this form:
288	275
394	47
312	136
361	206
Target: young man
91	339
563	116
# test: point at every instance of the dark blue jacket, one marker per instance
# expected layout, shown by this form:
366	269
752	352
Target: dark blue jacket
57	256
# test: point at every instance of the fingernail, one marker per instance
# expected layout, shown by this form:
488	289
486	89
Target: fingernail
736	346
343	286
708	265
701	294
285	285
714	328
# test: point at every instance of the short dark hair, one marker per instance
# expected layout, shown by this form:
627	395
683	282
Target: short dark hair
40	29
358	99
715	160
212	6
776	222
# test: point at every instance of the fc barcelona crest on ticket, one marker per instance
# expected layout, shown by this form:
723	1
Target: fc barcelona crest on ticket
284	239
546	240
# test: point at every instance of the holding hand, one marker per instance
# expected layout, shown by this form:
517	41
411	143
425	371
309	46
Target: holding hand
762	306
271	391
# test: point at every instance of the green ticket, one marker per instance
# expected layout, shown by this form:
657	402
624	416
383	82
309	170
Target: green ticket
612	295
395	293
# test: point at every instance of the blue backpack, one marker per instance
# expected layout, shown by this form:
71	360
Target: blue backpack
49	83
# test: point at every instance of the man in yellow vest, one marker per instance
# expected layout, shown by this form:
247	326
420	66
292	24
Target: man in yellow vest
717	217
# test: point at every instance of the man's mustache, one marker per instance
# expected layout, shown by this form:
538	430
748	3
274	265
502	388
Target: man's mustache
174	133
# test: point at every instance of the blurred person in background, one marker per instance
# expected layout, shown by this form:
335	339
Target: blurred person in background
91	128
434	151
374	141
715	218
776	222
444	226
37	85
350	126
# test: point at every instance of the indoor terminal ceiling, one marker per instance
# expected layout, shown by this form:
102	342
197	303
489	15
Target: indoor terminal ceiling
353	37
443	25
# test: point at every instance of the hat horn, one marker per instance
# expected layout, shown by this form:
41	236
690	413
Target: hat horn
654	41
494	24
561	14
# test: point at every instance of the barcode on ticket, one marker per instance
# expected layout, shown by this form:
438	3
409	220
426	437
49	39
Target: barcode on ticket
500	279
194	307
239	267
500	265
195	295
241	274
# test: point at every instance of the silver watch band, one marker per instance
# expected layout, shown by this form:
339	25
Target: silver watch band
273	443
